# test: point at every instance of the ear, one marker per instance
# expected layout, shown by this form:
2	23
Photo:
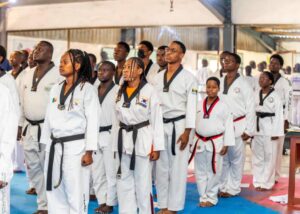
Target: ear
1	58
140	71
77	66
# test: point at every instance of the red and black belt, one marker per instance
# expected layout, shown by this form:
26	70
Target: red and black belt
239	118
205	139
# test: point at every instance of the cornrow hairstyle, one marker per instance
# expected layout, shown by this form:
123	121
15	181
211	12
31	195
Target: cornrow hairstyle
85	70
134	61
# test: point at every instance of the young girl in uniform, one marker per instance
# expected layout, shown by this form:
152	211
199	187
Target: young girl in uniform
269	127
70	133
214	133
138	131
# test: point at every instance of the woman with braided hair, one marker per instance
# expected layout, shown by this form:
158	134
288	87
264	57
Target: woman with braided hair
70	133
138	132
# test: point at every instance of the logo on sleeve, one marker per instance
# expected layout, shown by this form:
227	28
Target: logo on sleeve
237	90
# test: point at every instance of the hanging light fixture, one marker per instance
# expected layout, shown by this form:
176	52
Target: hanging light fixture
171	5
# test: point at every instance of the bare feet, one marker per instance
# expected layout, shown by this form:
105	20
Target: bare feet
104	209
257	188
162	211
31	191
225	195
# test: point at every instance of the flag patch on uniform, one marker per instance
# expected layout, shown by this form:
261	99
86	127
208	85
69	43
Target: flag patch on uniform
194	90
54	100
143	101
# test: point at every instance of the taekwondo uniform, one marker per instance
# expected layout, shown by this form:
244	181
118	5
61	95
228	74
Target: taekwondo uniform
295	79
179	98
34	95
239	97
269	123
103	167
13	85
214	129
138	130
151	70
284	89
8	135
70	129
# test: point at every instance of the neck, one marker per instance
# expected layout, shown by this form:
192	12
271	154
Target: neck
16	67
134	83
121	63
162	67
43	65
106	84
210	100
173	67
275	74
231	74
266	90
146	61
71	79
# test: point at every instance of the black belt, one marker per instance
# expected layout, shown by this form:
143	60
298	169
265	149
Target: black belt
173	120
262	115
129	128
60	141
34	123
105	128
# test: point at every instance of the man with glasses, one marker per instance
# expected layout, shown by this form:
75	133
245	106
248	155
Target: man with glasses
177	90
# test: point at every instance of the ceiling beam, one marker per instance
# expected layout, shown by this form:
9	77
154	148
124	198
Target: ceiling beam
262	38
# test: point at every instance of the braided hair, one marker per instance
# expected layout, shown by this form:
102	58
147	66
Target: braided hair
85	70
135	61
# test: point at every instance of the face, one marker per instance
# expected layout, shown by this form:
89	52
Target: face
131	71
105	73
230	64
144	48
15	59
120	53
41	53
174	54
66	67
264	81
252	64
160	58
222	58
204	63
274	65
212	88
31	62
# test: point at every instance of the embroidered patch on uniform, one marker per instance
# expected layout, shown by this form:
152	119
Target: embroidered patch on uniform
143	101
76	102
194	90
54	99
270	99
237	90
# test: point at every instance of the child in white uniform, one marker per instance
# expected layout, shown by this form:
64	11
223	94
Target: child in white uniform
269	127
214	133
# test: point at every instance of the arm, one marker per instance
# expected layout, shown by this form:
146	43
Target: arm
250	111
278	126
